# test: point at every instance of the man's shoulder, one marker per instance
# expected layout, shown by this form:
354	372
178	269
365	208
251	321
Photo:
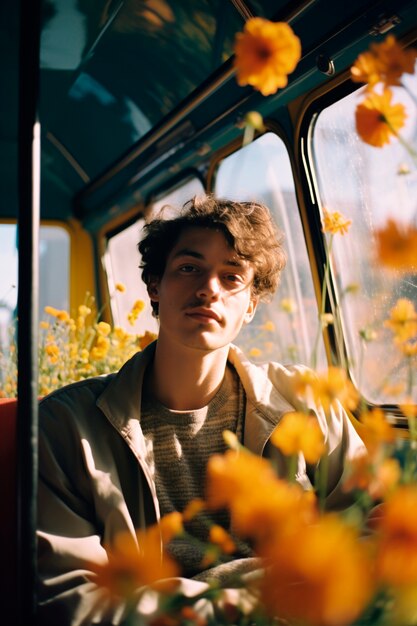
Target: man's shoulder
74	400
92	387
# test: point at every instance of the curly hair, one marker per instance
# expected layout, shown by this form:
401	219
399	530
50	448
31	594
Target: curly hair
247	226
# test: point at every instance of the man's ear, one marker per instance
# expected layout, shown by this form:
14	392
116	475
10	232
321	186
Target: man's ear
153	290
251	310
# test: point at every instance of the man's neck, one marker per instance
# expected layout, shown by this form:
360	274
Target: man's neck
186	379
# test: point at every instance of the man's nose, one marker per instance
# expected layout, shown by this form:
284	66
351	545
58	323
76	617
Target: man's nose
209	287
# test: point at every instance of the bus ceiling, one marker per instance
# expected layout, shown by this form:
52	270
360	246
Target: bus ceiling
131	90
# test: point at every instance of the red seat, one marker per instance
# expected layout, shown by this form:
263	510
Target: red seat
8	506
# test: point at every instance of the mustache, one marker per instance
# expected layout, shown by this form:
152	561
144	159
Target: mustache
196	302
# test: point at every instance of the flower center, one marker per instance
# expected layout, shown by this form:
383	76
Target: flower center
264	53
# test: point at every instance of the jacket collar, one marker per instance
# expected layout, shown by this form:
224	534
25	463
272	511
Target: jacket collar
121	399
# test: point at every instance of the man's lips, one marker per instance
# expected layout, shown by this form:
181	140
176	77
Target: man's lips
204	314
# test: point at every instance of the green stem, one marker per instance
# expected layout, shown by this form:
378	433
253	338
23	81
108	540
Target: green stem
321	480
248	135
402	141
292	467
328	249
410	93
410	377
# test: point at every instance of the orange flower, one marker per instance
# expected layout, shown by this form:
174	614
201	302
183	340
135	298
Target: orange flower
377	119
319	576
334	222
377	429
396	559
170	525
128	568
378	479
402	320
385	62
231	474
272	510
385	480
221	538
408	348
260	504
266	52
146	339
298	432
397	246
193	508
329	388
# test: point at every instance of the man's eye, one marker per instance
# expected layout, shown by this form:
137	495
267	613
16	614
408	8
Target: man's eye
233	278
187	269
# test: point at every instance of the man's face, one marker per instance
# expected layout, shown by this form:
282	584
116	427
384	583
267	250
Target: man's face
204	294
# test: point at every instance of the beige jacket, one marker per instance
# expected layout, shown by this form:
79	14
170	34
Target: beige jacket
94	482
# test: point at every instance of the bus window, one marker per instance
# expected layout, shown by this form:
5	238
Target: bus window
284	329
122	260
54	253
368	185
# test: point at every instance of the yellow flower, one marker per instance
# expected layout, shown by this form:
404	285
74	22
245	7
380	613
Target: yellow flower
329	388
52	351
254	352
44	325
385	62
84	310
326	319
100	350
409	408
255	121
103	328
137	308
396	559
408	348
288	305
320	575
396	246
298	432
334	222
50	310
268	326
377	119
393	389
403	169
265	53
63	316
402	320
120	287
368	334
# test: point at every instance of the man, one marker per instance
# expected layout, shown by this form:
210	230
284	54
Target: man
116	452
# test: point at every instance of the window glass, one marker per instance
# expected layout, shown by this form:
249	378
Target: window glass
284	329
122	260
54	251
368	185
